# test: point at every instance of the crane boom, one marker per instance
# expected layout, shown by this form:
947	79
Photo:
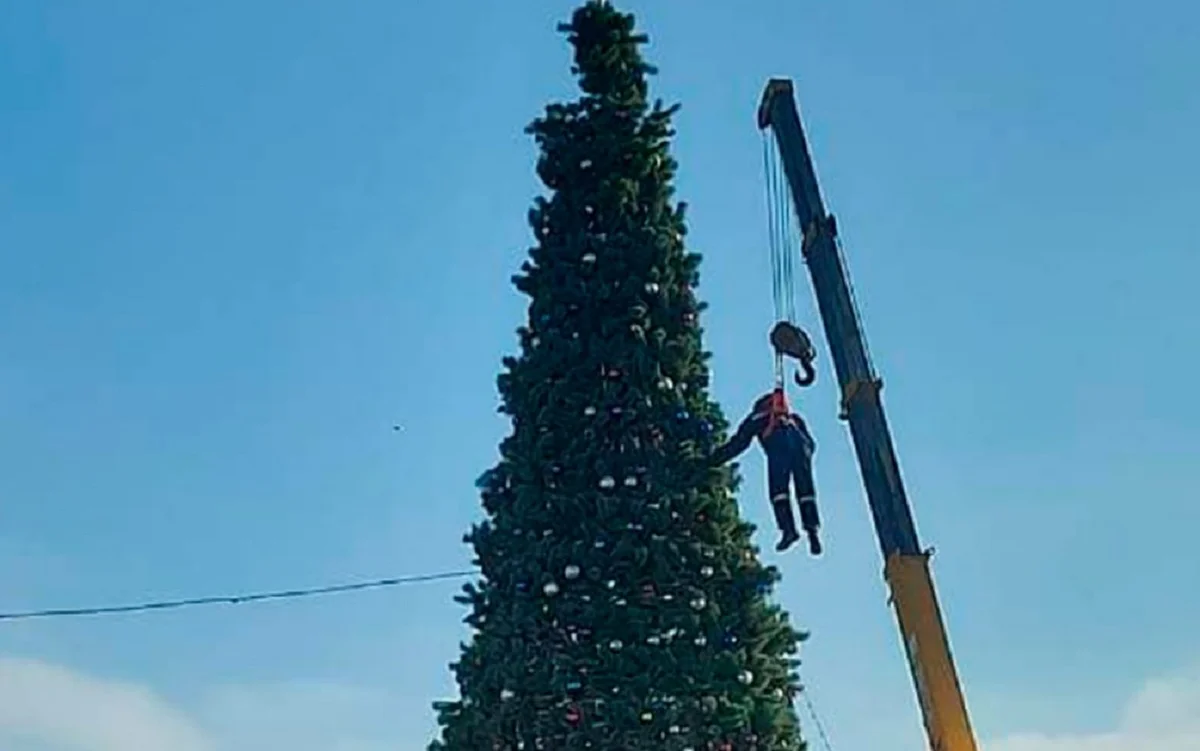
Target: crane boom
906	565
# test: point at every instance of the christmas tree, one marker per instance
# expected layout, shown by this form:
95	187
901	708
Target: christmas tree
621	604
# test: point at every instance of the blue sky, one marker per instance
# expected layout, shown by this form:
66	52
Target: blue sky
239	241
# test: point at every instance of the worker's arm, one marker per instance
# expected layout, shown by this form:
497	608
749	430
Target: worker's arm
750	427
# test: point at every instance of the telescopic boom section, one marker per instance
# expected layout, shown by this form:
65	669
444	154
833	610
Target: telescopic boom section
906	565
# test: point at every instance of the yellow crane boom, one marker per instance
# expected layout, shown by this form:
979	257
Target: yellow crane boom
906	564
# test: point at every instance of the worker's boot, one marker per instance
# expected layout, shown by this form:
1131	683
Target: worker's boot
814	542
786	523
811	520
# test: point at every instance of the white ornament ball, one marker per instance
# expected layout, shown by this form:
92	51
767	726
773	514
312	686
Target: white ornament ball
589	410
607	482
589	257
571	571
631	482
746	677
550	589
506	694
706	571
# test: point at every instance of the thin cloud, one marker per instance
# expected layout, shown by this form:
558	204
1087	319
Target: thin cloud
1163	715
45	707
48	707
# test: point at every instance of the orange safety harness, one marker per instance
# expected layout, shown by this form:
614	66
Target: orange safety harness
778	412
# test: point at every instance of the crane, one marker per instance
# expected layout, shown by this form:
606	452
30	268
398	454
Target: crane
906	564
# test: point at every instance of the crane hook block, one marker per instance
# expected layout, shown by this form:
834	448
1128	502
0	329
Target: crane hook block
789	340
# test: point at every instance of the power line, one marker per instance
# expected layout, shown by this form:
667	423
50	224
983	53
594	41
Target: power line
236	599
292	594
820	726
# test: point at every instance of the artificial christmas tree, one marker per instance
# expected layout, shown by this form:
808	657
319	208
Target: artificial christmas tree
621	604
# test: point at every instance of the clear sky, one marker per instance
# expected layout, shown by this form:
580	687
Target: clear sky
239	241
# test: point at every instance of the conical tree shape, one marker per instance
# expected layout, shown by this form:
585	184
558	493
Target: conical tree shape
621	604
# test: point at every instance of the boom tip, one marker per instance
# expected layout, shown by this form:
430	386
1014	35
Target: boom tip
775	87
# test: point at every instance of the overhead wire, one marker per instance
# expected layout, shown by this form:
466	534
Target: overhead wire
234	599
292	594
816	718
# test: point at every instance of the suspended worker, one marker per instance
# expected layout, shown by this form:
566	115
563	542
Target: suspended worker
787	443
